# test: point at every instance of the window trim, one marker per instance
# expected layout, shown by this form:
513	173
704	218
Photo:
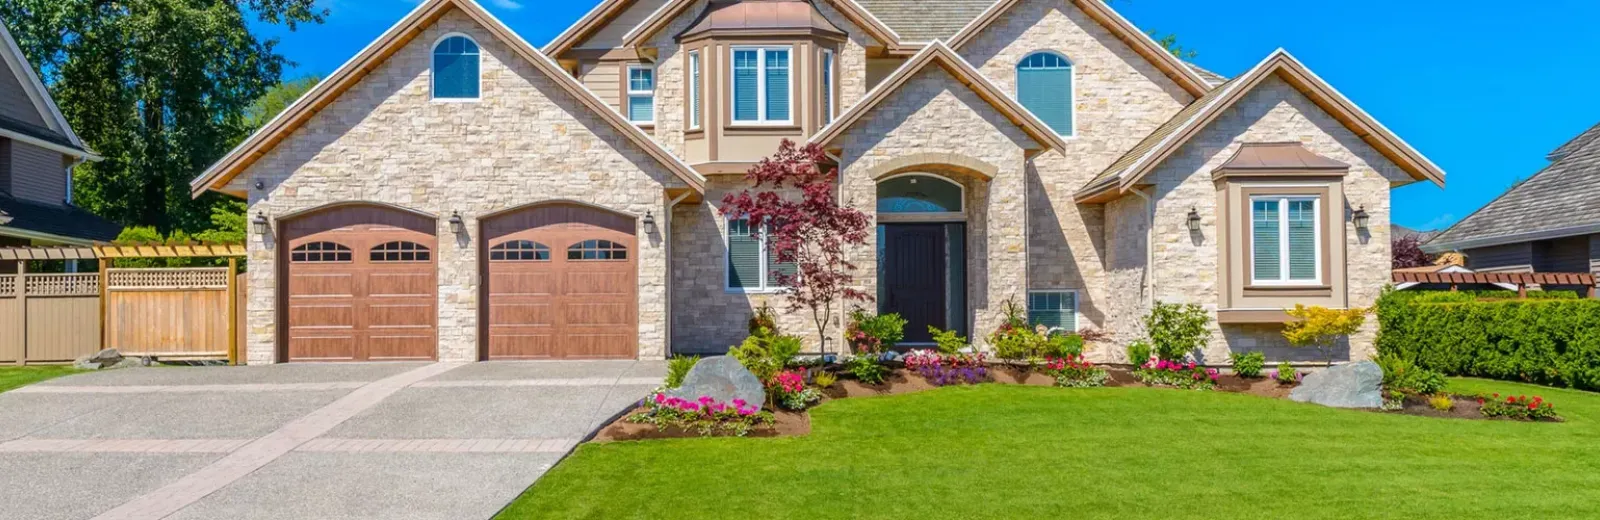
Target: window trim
1318	237
830	87
767	285
1077	314
433	70
629	93
761	86
696	104
1072	89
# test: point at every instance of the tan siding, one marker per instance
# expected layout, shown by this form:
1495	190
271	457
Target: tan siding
37	174
14	101
602	78
1503	258
610	36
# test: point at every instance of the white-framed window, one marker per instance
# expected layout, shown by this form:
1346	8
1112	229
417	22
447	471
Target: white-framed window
763	88
751	264
1054	308
827	86
1285	240
641	93
456	76
694	90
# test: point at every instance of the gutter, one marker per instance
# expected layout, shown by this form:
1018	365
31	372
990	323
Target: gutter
1149	248
1444	247
666	237
65	150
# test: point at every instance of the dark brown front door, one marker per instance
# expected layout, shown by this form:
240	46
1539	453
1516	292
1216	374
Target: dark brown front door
362	285
914	277
562	284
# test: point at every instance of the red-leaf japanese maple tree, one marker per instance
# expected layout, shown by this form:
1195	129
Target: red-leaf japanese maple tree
795	206
1407	252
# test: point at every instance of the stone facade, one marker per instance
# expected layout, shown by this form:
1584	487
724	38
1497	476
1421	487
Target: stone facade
527	141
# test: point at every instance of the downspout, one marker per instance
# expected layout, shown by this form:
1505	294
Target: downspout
1149	249
72	266
666	238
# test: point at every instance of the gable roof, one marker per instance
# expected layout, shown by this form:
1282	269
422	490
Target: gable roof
849	8
586	26
940	54
1180	72
1171	135
1574	144
58	134
1561	200
353	71
923	20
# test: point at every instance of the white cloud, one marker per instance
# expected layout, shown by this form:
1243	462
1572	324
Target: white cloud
1439	223
509	5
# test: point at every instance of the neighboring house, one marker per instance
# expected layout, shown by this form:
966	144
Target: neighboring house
1549	223
37	152
454	193
1397	232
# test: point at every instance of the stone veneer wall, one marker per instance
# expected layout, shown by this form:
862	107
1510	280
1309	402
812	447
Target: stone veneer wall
1186	268
527	141
1119	99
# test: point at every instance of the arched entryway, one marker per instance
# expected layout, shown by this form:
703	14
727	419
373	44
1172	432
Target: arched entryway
361	284
922	227
560	282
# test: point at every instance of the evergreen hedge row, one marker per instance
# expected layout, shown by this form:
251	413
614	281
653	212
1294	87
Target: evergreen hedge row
1551	340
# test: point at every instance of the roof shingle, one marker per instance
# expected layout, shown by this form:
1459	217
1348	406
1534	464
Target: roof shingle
923	20
1563	196
67	221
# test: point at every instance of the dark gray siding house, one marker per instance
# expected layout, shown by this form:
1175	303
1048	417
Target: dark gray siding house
1549	223
37	152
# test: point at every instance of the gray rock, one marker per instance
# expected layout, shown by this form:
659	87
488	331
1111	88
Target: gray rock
1351	385
722	378
131	362
83	363
107	357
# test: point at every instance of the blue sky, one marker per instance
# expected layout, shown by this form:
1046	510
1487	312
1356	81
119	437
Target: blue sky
1484	89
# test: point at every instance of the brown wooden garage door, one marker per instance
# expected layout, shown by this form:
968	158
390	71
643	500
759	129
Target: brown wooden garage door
362	285
562	284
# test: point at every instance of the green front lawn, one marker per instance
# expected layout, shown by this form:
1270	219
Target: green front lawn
1034	452
17	377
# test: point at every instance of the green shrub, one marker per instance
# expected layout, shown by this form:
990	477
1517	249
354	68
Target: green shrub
1176	330
869	333
1286	374
678	368
824	379
1442	403
1014	340
1249	364
948	341
765	318
765	354
1400	374
867	369
1138	352
1551	340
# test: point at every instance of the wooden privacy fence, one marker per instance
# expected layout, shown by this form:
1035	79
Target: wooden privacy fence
48	318
170	313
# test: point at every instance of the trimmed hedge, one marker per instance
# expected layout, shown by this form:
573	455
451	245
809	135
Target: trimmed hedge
1553	340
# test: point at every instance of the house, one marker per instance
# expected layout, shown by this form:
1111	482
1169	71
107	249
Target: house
1549	223
454	193
37	153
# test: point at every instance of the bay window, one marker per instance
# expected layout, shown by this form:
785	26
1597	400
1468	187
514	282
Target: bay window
762	92
1285	240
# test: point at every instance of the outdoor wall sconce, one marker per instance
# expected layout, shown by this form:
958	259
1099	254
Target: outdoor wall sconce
457	226
1360	218
649	223
1194	220
260	224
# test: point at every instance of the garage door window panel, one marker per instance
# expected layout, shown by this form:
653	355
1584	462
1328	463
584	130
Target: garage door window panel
597	250
315	252
519	251
400	252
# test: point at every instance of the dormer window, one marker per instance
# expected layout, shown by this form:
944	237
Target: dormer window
456	69
762	92
641	94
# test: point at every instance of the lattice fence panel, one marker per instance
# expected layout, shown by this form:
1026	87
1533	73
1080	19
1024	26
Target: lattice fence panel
62	284
155	279
8	285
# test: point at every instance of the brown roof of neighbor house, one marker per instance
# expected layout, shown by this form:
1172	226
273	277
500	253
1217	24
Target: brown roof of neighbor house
347	75
761	16
1279	156
940	54
1561	200
1171	135
925	20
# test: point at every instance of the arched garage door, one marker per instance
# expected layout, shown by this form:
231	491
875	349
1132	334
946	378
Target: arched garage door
362	285
562	284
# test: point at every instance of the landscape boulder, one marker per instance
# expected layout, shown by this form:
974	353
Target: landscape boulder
108	358
722	378
1351	385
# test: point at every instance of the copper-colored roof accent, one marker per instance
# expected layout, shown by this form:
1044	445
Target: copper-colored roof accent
763	16
943	56
396	37
1263	159
1584	279
1128	170
658	20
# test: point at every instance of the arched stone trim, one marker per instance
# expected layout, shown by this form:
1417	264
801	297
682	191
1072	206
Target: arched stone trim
574	202
344	203
925	161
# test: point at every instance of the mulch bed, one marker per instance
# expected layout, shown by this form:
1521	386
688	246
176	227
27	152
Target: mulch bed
784	424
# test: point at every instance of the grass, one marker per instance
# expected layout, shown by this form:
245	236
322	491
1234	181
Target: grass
12	378
1033	452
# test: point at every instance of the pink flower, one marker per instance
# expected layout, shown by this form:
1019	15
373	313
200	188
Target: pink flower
739	402
660	398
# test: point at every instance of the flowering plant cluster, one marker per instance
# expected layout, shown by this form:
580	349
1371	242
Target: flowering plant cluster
871	334
789	390
1285	376
704	415
1517	407
948	369
1185	375
1076	372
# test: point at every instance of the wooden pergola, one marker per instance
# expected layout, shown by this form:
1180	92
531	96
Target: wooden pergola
1521	280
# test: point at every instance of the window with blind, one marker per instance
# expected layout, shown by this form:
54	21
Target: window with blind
641	94
1044	86
1053	309
694	90
827	86
455	69
752	266
761	86
1285	240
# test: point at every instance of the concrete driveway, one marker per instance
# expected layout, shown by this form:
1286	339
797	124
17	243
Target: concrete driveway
300	441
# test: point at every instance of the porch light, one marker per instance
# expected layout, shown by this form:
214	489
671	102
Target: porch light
649	223
1194	219
1360	218
457	226
260	224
